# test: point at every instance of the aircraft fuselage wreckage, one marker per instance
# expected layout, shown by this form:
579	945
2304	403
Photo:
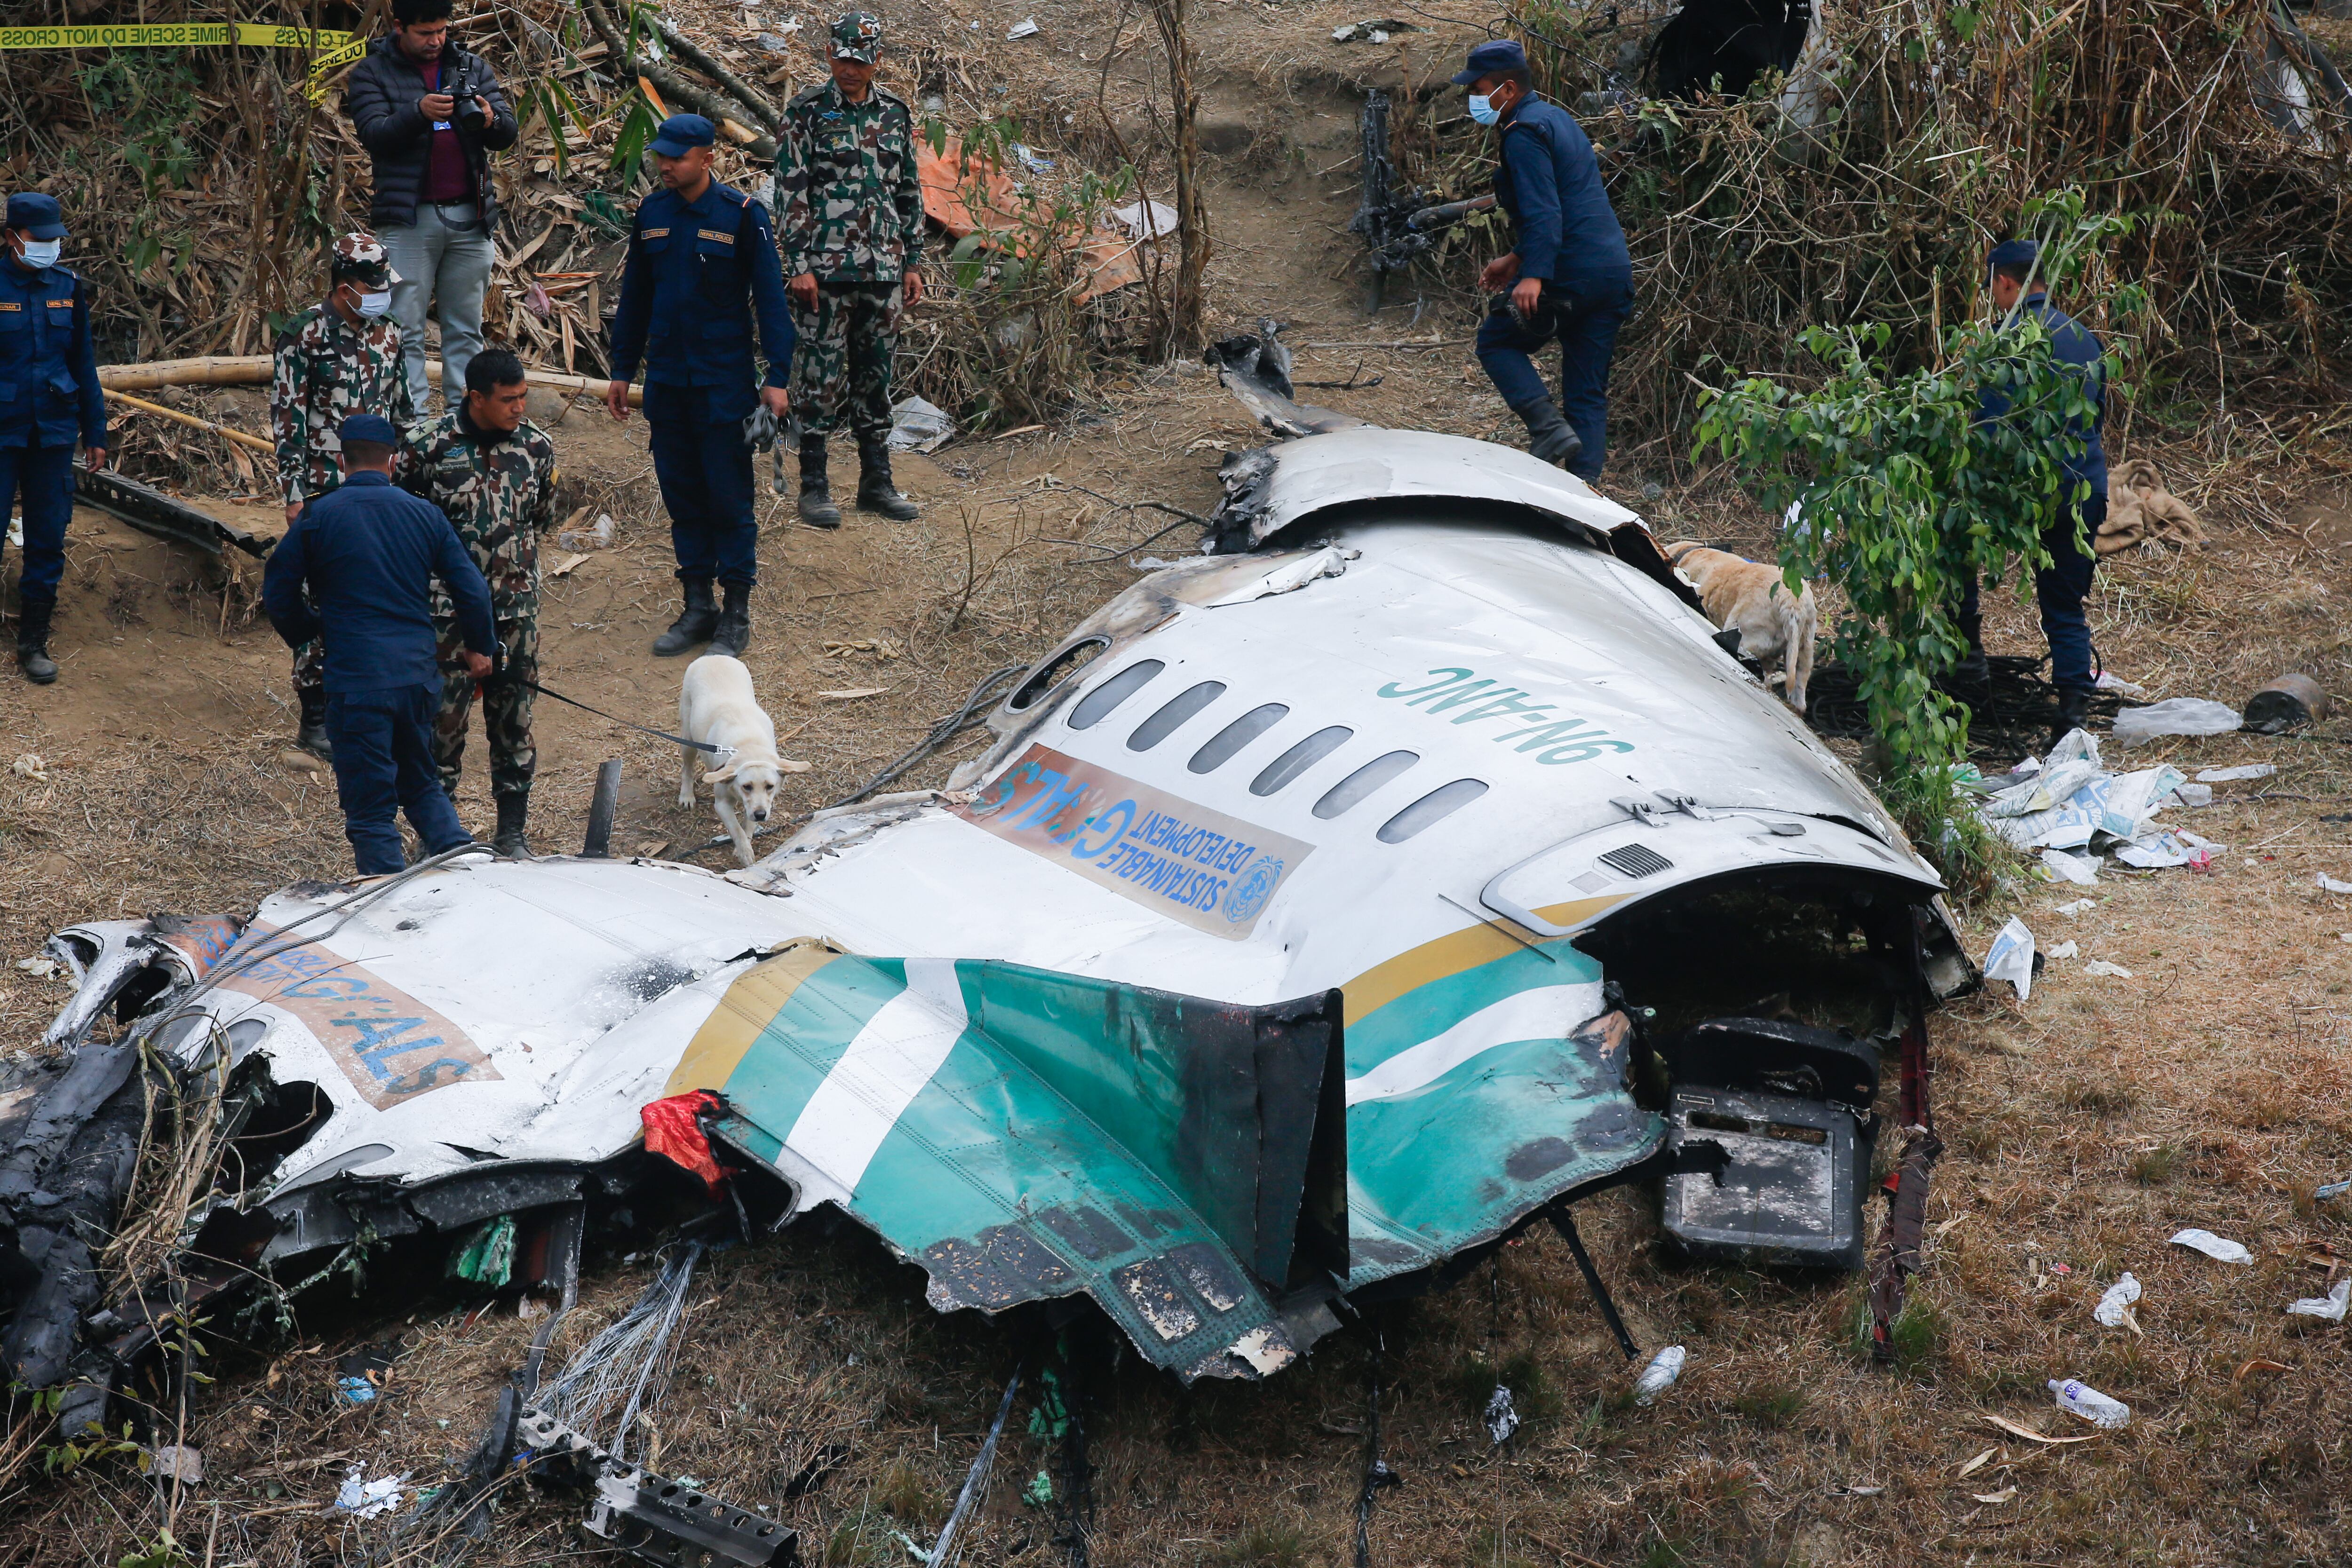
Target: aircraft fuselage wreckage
1328	905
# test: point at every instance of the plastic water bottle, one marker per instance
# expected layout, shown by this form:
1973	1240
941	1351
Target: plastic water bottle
1659	1374
2090	1403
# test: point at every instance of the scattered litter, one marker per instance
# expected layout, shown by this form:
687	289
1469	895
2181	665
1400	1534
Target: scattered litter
2018	1429
2231	775
30	766
356	1391
178	1462
1659	1374
2333	1190
40	968
1502	1420
576	538
2288	703
2081	869
367	1498
853	694
294	760
1376	31
2080	905
487	1257
2080	1399
563	568
1023	28
2109	681
2219	1249
916	426
2011	958
2194	794
1146	220
2174	715
1039	1492
2159	849
2113	971
1032	160
2115	1308
2329	1308
2331	885
2066	950
775	44
2005	1494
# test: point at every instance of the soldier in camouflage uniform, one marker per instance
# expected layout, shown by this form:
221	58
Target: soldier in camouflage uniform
492	472
339	358
853	230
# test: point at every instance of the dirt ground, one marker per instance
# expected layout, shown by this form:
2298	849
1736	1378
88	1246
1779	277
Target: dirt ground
2210	1086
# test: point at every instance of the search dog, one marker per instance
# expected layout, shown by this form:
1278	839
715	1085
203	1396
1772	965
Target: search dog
716	705
1751	598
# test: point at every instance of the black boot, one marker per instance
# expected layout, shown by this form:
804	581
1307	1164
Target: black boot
2073	712
311	737
817	509
32	640
734	633
1971	678
876	493
513	811
694	624
1549	435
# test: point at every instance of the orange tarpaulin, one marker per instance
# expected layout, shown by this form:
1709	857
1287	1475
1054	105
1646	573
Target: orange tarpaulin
953	183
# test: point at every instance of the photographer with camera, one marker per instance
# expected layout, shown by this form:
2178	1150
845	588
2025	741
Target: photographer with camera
430	115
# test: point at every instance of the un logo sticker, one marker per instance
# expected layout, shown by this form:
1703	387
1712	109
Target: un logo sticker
1250	890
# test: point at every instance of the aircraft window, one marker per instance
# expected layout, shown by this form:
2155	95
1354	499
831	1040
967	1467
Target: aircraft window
1363	781
1431	809
1219	747
1172	713
1300	759
1049	675
1096	703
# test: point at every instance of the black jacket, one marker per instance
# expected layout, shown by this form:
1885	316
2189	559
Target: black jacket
381	98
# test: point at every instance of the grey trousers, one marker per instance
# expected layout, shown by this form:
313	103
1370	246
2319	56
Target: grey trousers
443	257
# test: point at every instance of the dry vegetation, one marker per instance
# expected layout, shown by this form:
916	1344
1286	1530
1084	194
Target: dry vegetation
2210	1088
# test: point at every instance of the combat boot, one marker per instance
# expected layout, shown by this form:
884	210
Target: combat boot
1971	678
514	810
734	633
817	509
2073	713
1549	435
311	736
694	624
876	492
33	641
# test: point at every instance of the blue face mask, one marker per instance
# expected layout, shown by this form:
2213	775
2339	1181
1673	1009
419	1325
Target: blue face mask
1483	110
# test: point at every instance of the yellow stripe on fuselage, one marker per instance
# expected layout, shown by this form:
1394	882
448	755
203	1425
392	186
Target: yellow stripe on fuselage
743	1014
1450	955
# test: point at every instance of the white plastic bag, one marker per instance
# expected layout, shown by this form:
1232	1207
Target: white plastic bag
2329	1308
916	426
1659	1374
2220	1248
2174	715
2012	958
2115	1307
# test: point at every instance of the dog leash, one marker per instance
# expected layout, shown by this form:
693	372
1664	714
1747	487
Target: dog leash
709	747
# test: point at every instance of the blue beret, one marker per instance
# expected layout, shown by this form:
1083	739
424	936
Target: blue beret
370	427
2013	253
681	131
38	214
1494	54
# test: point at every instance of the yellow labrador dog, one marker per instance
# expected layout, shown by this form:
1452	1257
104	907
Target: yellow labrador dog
1751	597
716	705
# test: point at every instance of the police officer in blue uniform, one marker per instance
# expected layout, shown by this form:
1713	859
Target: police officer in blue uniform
368	553
1567	274
2060	587
702	269
48	395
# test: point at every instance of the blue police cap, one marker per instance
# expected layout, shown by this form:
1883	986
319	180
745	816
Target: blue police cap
1494	54
38	214
681	131
2013	253
370	427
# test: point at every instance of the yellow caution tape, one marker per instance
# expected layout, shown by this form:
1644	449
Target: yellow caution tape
334	49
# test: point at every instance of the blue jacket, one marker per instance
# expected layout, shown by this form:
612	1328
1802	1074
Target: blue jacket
698	274
369	554
1549	183
2070	343
48	375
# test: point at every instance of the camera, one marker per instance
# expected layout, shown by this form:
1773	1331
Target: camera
468	112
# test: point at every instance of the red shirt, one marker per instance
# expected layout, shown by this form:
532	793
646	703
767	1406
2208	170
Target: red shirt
447	178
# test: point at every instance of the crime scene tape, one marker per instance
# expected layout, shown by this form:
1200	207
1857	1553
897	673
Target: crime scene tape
336	49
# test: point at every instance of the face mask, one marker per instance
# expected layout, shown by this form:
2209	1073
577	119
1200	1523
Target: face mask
374	305
1483	110
40	253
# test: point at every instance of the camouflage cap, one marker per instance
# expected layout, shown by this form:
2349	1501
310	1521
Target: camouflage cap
858	37
361	257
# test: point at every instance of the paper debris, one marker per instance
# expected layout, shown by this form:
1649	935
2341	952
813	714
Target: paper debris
40	968
2101	966
2010	959
2109	681
1146	220
367	1498
2332	885
2080	905
2194	794
919	426
2330	1308
1023	28
2081	869
2115	1308
2219	1248
30	766
2174	715
2231	775
2064	950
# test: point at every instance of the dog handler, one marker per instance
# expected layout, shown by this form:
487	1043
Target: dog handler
369	554
52	396
1569	274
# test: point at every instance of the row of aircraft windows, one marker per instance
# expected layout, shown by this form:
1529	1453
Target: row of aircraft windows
1223	746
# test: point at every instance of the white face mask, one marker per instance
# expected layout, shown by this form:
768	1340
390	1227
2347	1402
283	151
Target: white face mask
40	253
1483	110
374	305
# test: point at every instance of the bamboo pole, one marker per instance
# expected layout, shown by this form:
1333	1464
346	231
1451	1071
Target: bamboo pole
254	369
252	443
